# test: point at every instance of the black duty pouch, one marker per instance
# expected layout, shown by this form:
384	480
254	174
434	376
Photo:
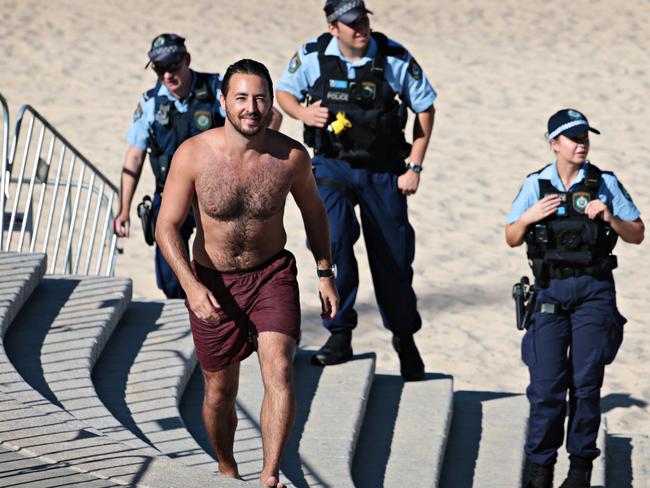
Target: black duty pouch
145	212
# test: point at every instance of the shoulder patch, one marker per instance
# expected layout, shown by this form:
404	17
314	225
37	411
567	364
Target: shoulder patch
295	63
415	70
137	113
624	191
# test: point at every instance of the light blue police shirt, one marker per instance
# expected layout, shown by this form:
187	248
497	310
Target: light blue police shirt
611	192
304	70
144	116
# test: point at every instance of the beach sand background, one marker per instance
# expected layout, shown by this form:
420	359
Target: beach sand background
500	68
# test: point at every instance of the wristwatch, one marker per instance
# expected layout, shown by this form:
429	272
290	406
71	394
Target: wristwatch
414	166
327	272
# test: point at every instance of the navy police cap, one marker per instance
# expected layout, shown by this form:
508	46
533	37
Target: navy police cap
345	11
568	122
166	48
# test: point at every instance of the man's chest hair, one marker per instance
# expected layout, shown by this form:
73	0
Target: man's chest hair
229	192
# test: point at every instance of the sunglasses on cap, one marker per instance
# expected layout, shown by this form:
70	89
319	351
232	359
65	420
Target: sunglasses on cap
161	69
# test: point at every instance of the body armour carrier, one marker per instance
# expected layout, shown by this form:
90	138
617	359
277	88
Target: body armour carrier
568	243
377	118
171	127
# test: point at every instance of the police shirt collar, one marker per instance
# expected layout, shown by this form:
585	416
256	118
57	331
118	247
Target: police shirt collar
556	181
332	49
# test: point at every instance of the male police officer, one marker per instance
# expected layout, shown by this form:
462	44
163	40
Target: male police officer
351	79
183	103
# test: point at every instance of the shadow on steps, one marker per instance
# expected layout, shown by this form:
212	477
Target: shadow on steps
462	451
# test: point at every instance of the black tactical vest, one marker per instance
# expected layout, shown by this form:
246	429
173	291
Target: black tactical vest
568	243
377	116
171	127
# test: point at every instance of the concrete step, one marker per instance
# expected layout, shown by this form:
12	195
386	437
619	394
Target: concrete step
599	469
20	274
404	433
486	440
36	434
56	338
331	404
628	461
142	373
18	469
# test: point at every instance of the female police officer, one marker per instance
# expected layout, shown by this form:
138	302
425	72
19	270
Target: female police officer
570	214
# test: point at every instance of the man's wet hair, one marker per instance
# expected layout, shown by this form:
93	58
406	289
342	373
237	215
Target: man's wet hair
247	67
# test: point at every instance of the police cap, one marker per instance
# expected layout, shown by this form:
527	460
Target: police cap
568	122
345	11
166	48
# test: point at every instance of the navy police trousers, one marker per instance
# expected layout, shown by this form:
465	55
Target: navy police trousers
389	239
567	352
165	277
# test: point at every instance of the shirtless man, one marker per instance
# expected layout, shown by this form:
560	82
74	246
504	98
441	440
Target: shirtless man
241	288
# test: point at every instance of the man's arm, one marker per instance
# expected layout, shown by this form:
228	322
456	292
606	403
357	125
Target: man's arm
314	216
128	182
176	202
422	128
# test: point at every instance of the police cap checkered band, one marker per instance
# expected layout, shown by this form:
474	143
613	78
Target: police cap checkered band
345	11
568	122
166	48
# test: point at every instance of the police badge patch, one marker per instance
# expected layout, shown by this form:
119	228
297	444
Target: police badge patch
137	113
580	201
295	63
415	70
203	119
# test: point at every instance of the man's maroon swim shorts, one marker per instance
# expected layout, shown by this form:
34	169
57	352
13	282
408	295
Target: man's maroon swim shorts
261	299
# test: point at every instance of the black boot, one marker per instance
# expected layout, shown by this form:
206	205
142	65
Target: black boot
337	349
411	365
579	473
540	476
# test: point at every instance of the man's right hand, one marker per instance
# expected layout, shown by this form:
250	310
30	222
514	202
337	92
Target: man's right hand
121	225
314	115
203	303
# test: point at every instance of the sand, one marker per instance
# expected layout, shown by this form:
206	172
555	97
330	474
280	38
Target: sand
500	68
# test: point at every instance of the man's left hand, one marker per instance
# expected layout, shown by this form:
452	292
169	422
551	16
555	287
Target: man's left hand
329	298
408	182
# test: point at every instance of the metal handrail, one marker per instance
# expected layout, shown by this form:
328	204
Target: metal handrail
4	164
68	220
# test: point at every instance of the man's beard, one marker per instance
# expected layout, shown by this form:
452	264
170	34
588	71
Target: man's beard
236	122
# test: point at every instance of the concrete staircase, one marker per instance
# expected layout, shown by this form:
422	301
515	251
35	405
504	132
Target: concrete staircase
99	390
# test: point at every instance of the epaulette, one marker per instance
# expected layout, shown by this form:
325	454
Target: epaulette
538	171
387	49
319	44
152	92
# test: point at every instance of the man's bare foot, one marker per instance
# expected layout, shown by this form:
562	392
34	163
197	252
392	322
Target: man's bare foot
229	469
272	482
